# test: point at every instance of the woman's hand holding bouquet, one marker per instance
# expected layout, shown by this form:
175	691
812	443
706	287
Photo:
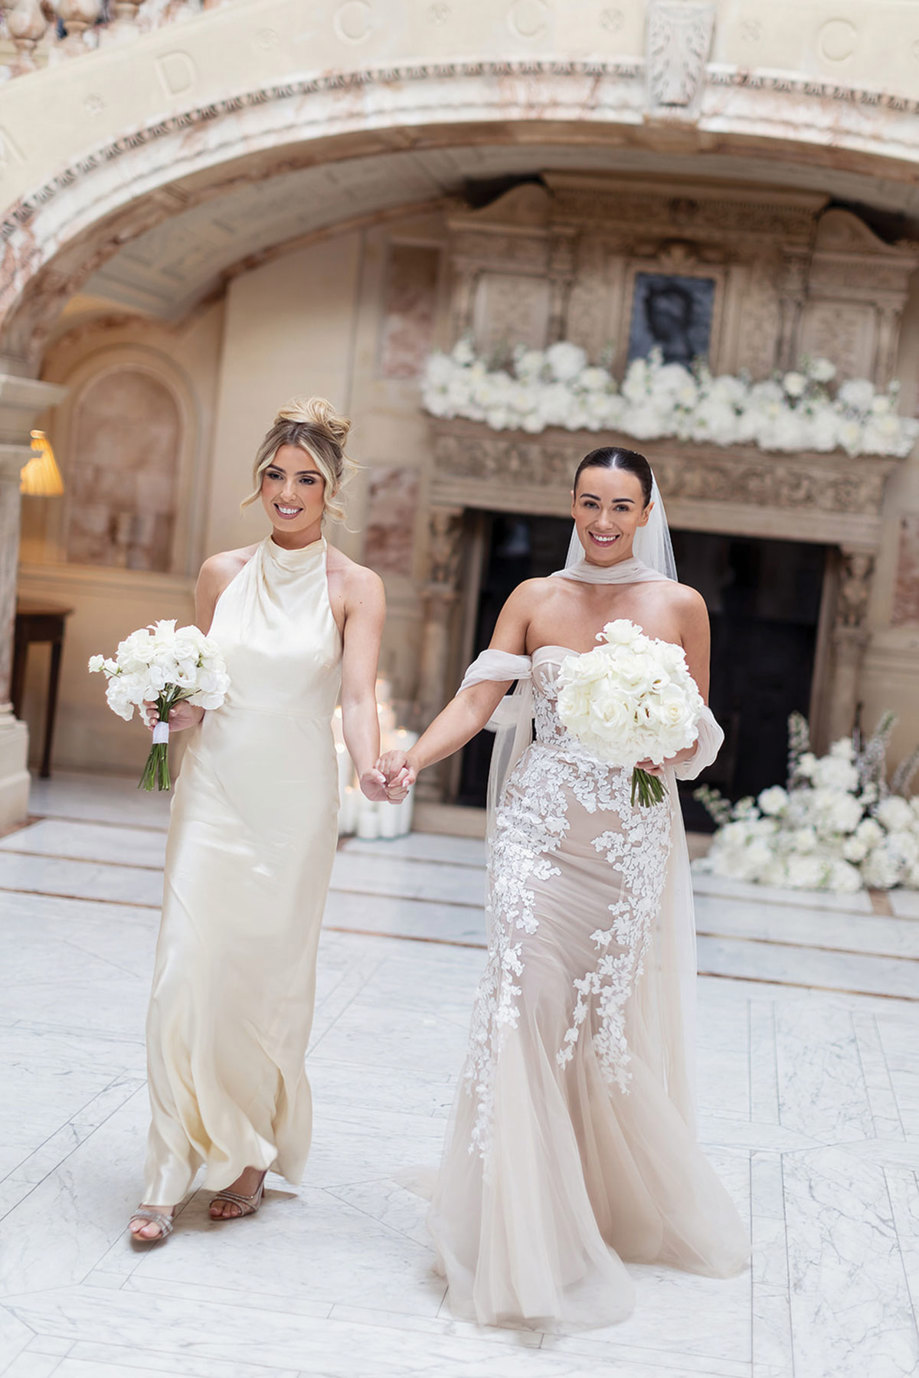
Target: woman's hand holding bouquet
632	702
172	676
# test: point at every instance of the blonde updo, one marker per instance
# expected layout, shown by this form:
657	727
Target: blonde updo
316	428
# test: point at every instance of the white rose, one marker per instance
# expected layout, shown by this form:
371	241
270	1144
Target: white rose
594	379
774	800
794	384
843	878
565	360
894	813
881	869
463	352
869	832
822	370
529	363
854	848
806	764
856	394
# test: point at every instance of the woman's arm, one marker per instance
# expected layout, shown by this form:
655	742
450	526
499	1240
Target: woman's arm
365	611
695	636
213	577
469	710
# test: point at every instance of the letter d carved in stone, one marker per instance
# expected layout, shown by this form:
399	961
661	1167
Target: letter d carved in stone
679	39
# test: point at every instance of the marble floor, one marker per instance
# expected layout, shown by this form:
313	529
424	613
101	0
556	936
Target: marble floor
809	1101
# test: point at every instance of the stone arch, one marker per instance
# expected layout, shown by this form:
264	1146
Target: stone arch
59	232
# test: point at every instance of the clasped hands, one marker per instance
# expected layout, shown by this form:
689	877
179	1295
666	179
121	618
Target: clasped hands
391	778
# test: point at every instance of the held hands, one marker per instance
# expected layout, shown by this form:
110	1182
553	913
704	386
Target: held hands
373	784
184	714
398	774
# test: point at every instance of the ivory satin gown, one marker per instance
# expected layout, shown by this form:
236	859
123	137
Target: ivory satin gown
571	1147
252	837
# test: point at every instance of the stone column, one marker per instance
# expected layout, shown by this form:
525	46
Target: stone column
21	401
850	638
445	531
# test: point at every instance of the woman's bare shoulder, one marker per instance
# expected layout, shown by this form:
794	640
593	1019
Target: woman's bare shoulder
220	568
357	579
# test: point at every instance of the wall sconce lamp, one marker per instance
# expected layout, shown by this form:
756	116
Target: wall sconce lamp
41	478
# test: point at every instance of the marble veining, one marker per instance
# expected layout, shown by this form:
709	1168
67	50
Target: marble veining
808	1107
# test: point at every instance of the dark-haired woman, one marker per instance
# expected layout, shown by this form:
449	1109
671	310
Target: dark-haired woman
252	836
572	1147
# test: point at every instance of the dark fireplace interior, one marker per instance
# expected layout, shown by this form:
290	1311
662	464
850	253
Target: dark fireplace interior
764	599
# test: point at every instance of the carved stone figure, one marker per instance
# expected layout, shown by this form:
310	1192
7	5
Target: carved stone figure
854	588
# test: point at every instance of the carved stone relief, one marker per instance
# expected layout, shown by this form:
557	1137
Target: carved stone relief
679	38
906	589
843	334
463	450
122	472
445	548
854	588
511	309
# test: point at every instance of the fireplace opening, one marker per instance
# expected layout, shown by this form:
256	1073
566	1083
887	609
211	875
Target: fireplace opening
764	599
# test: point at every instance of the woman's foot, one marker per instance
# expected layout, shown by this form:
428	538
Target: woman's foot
242	1197
151	1224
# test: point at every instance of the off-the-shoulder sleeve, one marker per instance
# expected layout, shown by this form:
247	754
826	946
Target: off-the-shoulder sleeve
708	744
500	665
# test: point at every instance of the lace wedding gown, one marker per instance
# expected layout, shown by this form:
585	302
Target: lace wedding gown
252	838
571	1147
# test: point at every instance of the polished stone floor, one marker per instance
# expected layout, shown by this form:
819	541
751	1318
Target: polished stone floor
809	1107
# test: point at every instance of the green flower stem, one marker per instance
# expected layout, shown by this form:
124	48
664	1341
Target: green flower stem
156	770
648	788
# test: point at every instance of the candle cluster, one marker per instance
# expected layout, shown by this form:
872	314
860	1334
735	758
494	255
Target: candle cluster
357	814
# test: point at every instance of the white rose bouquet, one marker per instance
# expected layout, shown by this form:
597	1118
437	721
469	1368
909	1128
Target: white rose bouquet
162	664
631	699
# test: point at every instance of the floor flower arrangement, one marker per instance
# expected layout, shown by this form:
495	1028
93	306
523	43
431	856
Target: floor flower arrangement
836	825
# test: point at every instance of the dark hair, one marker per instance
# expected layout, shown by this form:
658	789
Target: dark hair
612	457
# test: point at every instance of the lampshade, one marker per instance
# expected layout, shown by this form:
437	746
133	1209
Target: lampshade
41	477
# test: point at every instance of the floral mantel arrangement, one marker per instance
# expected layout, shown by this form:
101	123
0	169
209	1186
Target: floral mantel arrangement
837	825
531	389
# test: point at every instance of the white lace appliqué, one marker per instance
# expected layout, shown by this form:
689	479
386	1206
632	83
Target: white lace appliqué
530	828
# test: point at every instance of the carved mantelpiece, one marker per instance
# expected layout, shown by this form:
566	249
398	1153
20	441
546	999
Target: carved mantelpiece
825	498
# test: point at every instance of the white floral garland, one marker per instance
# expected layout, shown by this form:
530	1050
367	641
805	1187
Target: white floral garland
559	387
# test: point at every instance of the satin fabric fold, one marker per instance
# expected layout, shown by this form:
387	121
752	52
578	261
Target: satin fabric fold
252	836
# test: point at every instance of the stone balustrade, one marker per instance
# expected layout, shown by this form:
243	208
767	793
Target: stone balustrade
39	33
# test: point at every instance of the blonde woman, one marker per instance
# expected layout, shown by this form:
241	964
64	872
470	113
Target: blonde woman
252	836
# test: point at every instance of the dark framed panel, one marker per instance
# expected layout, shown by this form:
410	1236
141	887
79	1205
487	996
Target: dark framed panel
673	312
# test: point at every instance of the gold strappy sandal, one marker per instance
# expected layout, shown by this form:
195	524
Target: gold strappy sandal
164	1222
248	1205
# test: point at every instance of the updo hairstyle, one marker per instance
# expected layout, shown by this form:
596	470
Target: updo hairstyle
315	428
612	457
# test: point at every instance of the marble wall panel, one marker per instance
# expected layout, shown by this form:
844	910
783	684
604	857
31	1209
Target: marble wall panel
390	537
409	304
906	589
121	472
